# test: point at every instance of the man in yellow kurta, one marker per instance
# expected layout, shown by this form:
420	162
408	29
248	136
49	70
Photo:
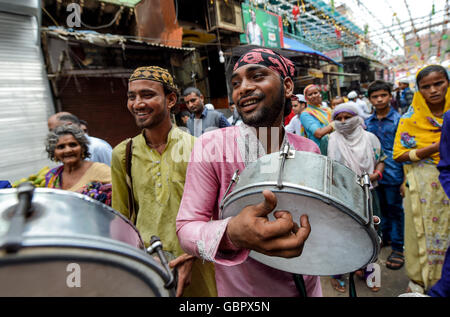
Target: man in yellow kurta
160	156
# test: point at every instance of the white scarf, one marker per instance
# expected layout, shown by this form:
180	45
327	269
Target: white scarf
351	145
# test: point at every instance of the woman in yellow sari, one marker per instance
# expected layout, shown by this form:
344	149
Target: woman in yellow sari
426	206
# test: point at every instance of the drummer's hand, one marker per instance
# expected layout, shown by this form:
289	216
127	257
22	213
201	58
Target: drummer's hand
251	229
183	263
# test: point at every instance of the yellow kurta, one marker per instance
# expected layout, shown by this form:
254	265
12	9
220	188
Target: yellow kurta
158	184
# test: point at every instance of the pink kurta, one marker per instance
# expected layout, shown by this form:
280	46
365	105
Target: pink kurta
215	158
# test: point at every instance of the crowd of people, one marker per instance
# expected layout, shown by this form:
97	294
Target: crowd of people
170	179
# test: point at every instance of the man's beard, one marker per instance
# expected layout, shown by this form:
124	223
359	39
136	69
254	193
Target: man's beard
267	114
154	121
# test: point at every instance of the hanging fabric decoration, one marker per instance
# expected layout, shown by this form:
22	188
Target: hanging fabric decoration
338	33
295	12
444	28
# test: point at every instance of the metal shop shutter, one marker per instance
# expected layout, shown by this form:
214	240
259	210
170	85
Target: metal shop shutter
25	98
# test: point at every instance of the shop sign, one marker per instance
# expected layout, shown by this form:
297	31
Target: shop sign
261	28
335	55
317	73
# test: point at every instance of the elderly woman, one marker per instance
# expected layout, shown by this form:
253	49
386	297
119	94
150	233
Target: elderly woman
360	151
68	145
315	119
426	206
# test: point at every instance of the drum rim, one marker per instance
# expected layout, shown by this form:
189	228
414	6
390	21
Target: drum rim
78	195
313	193
8	260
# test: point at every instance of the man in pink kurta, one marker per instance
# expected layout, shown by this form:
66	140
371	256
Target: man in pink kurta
215	157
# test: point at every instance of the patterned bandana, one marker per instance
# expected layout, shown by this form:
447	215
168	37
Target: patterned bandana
268	58
154	73
305	91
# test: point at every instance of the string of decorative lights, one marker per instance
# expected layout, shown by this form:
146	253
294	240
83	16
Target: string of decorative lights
444	35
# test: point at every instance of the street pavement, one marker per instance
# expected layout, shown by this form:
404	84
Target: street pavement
393	282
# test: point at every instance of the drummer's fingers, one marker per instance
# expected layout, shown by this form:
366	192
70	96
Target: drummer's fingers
179	260
305	228
180	288
183	282
287	246
266	206
283	214
281	226
292	245
288	216
184	276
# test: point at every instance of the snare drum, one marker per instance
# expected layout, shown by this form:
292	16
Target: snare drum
72	245
342	238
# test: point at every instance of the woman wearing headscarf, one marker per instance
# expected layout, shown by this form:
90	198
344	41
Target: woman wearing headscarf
426	205
360	151
316	119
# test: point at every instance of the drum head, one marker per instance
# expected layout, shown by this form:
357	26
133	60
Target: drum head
338	243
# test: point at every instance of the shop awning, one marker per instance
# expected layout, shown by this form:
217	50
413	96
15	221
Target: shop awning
295	45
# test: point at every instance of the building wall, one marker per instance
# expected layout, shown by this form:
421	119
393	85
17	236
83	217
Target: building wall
104	108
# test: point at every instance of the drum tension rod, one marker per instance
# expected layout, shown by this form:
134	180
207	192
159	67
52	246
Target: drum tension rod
156	246
13	238
364	182
234	179
284	155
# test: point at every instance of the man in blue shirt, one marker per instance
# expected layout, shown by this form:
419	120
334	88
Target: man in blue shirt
202	119
383	123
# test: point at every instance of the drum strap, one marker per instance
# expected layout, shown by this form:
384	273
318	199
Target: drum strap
351	286
128	159
300	284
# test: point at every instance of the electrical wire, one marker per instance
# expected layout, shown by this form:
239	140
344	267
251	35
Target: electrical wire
106	25
50	16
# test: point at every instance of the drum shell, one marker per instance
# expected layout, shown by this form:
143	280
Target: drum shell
330	194
66	228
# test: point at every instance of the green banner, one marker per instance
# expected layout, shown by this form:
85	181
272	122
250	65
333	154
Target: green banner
261	27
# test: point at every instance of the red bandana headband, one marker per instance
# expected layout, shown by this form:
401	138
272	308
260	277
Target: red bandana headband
268	58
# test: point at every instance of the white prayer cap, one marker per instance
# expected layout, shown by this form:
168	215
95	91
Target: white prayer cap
301	98
352	94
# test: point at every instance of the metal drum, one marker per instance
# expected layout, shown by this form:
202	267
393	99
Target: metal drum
336	200
60	243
